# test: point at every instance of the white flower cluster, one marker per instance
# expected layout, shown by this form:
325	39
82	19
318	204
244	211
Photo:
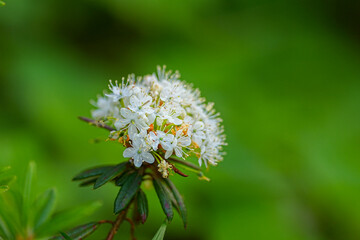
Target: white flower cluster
158	116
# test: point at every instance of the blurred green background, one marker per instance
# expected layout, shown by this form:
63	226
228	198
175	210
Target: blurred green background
285	76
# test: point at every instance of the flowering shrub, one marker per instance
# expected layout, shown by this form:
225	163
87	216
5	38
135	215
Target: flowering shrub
161	121
157	117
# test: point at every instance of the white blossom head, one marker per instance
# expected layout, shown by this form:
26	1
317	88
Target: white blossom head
159	117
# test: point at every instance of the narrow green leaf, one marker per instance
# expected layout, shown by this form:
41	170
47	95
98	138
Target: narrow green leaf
122	178
28	194
65	219
79	232
127	192
97	171
88	182
161	232
179	200
45	206
185	163
10	210
142	205
65	236
164	197
110	174
4	229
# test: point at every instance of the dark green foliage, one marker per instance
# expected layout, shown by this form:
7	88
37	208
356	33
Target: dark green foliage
127	191
110	174
122	178
88	182
179	201
65	236
92	172
162	192
79	232
98	176
142	206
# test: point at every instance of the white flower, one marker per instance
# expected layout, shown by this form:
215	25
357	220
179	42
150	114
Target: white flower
140	104
105	107
119	92
139	153
196	131
170	113
177	145
132	121
160	138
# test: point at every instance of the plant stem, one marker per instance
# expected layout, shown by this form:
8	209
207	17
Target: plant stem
97	123
120	218
106	221
185	163
178	171
132	229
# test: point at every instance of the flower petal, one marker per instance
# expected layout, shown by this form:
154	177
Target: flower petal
176	121
168	154
120	123
169	138
148	157
126	113
184	141
137	161
134	101
166	146
199	125
132	131
178	152
129	152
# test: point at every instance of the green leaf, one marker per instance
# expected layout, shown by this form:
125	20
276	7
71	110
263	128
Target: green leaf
122	178
65	219
161	232
65	236
179	201
10	213
110	174
142	205
97	171
164	197
127	192
79	232
88	182
4	229
28	194
45	204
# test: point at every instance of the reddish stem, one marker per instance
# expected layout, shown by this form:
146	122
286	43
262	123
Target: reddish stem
120	218
178	171
97	123
106	221
132	229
